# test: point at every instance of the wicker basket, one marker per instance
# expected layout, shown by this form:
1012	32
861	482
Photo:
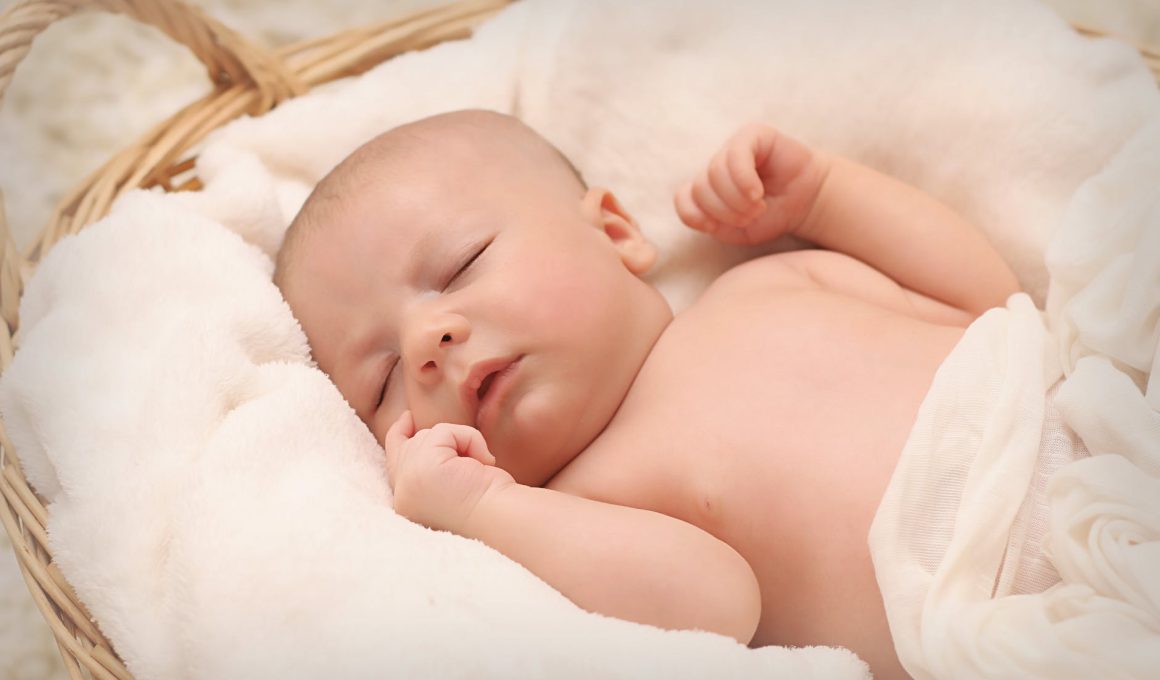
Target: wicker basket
248	80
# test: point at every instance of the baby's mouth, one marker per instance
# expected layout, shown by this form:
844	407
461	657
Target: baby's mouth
485	385
492	390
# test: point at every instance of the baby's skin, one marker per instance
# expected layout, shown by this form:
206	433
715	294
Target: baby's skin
484	313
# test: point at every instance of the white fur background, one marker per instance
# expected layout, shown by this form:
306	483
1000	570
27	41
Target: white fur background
94	83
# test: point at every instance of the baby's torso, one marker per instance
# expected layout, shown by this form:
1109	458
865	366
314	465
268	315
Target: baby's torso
773	418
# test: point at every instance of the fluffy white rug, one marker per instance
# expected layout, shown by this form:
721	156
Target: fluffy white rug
95	82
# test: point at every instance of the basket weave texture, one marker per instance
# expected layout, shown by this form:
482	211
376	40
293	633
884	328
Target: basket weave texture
247	80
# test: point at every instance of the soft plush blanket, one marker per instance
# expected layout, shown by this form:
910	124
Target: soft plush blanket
222	511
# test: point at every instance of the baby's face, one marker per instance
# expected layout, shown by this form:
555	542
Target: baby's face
474	293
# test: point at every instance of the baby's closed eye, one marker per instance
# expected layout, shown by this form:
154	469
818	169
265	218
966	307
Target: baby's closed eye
467	264
384	384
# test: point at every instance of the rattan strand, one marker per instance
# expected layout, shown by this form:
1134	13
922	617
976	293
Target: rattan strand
11	285
228	58
247	80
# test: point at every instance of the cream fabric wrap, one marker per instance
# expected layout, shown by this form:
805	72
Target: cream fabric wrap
945	523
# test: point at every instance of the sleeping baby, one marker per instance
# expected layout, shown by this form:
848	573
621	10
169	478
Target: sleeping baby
484	313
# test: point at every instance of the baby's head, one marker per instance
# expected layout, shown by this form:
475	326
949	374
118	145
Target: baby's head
459	267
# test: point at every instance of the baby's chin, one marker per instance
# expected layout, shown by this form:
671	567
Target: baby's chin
534	455
531	463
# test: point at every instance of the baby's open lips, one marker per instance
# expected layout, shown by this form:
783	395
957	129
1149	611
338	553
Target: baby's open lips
480	379
483	386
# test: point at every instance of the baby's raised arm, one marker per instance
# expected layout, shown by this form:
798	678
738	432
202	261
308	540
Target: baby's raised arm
619	561
763	184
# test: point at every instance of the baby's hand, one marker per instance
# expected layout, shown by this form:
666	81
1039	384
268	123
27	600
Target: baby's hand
438	475
760	185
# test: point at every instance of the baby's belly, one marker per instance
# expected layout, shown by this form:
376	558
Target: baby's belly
780	441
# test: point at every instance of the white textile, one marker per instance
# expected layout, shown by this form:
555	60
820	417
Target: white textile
939	538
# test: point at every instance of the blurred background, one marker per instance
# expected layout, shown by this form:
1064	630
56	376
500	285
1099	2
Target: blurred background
95	82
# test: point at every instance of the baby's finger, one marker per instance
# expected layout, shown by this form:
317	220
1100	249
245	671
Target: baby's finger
687	209
738	236
726	187
467	441
397	435
741	160
712	205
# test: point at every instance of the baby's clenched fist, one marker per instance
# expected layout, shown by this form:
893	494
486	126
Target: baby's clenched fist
438	475
760	185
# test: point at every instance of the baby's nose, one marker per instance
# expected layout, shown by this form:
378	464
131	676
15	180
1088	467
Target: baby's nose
432	343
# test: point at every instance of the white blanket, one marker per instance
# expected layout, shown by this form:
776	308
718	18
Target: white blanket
221	510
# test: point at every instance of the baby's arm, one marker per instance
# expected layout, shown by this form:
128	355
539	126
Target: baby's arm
763	184
619	561
624	562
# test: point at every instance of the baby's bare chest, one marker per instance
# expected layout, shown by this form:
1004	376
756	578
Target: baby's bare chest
773	420
766	416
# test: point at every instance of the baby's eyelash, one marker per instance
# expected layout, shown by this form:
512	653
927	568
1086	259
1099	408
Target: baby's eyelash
386	382
467	265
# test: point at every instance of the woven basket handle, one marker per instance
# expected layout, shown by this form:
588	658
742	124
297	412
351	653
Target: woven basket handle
11	285
228	57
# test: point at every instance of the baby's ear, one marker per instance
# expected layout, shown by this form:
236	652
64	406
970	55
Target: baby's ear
606	212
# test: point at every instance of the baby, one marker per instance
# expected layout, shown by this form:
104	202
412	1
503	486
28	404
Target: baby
483	312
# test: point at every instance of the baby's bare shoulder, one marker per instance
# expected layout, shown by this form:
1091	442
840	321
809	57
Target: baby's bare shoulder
758	278
837	276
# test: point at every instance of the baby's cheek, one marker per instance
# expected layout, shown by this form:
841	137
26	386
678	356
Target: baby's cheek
387	414
564	299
